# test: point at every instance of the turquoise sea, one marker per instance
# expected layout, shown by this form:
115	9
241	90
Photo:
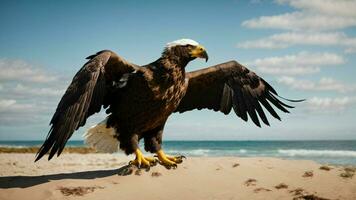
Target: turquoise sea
332	152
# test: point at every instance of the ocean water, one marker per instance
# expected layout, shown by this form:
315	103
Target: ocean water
328	152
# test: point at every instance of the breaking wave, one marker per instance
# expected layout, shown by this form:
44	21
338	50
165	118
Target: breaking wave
208	152
317	153
194	152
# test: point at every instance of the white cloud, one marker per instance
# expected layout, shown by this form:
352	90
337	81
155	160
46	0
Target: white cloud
263	43
344	8
5	103
28	94
11	105
27	104
283	40
327	104
310	15
25	112
297	64
301	21
324	84
15	113
21	89
310	22
18	70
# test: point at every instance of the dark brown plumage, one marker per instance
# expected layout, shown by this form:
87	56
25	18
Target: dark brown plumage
231	85
139	99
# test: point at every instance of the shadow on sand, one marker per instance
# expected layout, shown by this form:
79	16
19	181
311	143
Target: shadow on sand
28	181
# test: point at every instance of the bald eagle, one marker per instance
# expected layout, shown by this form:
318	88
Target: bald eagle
139	100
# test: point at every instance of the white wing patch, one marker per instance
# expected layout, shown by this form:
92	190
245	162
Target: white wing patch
182	42
101	138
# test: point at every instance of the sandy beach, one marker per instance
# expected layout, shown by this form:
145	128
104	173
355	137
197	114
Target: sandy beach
105	176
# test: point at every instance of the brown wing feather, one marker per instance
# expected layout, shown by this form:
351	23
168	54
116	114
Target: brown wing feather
231	86
84	97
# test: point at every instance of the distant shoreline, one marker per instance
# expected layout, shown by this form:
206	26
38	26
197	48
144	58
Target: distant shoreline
81	150
327	152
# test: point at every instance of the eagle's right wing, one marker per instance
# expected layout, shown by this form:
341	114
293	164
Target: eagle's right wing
228	86
84	97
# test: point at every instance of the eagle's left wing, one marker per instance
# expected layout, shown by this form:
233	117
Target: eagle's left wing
231	85
89	90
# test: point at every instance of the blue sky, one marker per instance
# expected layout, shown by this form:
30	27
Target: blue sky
305	49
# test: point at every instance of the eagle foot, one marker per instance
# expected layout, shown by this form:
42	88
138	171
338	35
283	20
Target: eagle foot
177	159
143	162
169	161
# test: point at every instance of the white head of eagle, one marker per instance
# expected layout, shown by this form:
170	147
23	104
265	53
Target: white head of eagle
182	42
187	49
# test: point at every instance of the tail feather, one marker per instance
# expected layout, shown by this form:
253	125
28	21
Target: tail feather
101	138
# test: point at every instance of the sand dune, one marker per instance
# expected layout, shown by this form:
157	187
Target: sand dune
103	176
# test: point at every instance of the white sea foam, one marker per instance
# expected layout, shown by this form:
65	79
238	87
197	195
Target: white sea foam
15	146
319	153
242	151
195	152
208	152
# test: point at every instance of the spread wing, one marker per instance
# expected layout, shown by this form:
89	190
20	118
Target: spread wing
230	86
84	97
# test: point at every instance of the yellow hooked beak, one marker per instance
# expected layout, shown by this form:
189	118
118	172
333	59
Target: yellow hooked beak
199	52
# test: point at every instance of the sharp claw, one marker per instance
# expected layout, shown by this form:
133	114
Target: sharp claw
154	163
179	159
169	161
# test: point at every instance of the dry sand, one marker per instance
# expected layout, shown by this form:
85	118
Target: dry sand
104	176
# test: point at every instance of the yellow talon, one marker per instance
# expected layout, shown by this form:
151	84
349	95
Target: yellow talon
176	159
141	161
150	159
169	161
